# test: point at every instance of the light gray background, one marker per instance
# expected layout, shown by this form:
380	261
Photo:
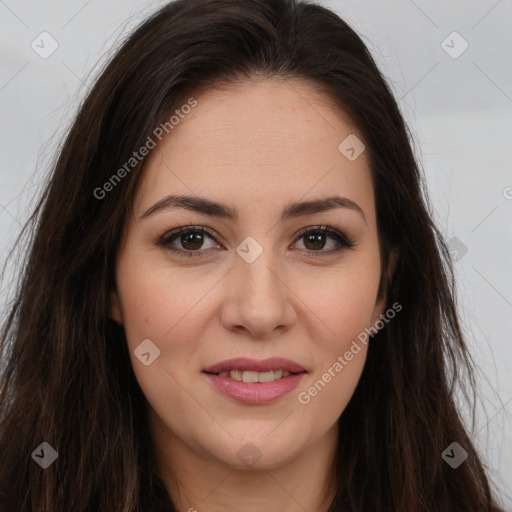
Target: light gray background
459	111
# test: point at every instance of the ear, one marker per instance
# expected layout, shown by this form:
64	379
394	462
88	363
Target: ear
115	308
380	305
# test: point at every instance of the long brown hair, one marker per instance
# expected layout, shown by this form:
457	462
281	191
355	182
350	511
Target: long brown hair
67	377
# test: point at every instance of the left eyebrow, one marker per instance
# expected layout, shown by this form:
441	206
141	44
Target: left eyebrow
214	209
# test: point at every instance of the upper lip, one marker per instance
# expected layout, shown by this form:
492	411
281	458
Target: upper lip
255	365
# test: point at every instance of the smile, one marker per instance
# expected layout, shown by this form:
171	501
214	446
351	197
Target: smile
252	382
247	376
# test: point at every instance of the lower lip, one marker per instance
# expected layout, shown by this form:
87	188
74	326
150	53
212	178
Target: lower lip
253	393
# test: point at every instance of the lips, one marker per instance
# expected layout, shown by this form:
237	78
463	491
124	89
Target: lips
253	365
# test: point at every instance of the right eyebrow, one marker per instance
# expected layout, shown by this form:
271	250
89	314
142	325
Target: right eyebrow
211	208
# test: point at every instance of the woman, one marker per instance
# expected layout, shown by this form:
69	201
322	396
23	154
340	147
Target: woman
185	336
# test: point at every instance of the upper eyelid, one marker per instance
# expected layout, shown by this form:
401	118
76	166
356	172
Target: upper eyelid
329	230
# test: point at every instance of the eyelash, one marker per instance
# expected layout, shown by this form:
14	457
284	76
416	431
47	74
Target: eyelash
343	241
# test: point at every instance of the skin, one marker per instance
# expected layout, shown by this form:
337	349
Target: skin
254	146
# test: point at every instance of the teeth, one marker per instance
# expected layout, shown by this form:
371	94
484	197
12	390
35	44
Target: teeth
250	376
266	376
255	376
235	375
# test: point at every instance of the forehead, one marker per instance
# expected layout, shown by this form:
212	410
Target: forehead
265	142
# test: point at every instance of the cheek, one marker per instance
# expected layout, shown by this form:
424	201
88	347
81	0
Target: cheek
169	310
344	305
344	311
159	306
162	303
326	395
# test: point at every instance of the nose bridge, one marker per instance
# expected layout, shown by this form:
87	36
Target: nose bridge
258	296
260	274
256	271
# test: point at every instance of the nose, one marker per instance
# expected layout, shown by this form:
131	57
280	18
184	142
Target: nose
257	297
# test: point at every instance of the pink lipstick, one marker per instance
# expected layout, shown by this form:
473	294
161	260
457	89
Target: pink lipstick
251	381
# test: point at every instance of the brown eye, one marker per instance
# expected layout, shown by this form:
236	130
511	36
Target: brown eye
188	241
315	240
191	241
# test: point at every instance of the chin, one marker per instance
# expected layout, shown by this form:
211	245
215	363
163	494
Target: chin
260	453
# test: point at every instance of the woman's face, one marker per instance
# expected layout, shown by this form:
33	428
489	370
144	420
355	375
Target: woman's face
254	286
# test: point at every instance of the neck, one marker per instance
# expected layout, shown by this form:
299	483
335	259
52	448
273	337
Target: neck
198	483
